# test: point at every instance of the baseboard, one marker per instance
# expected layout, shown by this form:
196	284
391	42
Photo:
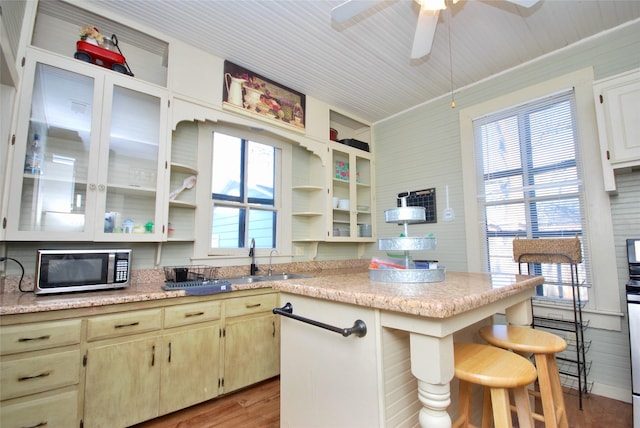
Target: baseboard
613	392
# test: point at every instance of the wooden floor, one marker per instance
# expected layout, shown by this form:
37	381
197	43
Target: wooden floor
259	407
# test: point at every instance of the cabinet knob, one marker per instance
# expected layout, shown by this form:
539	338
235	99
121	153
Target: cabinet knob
92	186
101	187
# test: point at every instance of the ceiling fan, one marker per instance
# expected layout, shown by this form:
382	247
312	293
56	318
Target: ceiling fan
427	19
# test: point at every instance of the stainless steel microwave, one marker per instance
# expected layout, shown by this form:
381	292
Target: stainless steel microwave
64	271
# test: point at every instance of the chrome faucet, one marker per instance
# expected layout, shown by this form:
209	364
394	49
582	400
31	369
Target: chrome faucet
270	264
252	254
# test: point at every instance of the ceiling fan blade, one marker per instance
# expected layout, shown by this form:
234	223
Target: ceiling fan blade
524	3
351	8
425	30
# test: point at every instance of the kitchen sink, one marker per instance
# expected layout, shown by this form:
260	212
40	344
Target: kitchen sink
248	279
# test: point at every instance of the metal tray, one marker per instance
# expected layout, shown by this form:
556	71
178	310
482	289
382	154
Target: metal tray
406	243
405	214
407	275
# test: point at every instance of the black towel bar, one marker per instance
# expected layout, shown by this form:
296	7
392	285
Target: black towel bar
359	327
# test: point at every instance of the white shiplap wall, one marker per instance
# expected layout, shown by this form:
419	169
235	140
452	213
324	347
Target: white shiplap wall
420	148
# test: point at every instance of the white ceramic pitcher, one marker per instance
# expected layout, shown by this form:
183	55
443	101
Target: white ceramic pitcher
234	89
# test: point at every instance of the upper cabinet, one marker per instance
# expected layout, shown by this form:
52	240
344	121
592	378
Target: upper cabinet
89	151
57	25
351	177
617	102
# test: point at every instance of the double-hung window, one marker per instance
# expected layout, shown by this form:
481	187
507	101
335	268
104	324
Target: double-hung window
530	185
244	193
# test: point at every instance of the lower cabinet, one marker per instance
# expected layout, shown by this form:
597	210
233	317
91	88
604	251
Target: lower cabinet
252	351
194	354
190	368
122	383
59	410
117	366
40	369
252	341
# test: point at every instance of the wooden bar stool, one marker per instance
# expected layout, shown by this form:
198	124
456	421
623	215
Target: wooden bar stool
543	346
498	371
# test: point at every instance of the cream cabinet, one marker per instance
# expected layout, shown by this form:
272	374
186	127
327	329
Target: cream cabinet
124	372
151	362
122	382
617	101
40	369
89	154
351	178
159	370
191	361
251	341
351	174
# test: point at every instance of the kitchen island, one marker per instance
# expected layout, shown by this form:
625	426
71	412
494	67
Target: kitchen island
331	380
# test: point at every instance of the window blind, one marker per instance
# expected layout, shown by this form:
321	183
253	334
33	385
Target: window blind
530	183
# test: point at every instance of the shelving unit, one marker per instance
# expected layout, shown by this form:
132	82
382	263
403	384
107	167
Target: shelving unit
562	257
403	271
309	197
182	210
351	178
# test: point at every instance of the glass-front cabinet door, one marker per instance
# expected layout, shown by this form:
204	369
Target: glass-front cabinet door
128	197
87	156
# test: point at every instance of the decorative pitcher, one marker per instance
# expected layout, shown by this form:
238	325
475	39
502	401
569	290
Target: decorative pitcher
251	97
234	89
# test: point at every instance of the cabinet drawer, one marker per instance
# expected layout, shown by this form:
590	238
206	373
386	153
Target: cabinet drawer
251	305
123	324
36	374
31	337
58	411
191	313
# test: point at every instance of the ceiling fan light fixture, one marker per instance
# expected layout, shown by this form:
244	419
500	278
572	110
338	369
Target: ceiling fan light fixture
433	5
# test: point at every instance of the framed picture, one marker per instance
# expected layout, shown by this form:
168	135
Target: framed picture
247	92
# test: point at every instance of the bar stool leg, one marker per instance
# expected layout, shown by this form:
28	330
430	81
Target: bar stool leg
523	407
501	408
552	404
464	405
487	413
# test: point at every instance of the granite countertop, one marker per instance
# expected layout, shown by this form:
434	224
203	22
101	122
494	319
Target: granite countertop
345	282
458	293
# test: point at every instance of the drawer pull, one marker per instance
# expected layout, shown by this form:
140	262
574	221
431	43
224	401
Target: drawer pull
43	374
193	314
153	356
257	305
41	424
133	324
28	339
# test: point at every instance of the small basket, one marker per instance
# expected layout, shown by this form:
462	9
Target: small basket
190	273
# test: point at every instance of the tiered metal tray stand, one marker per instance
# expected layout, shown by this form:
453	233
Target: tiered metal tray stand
572	363
406	215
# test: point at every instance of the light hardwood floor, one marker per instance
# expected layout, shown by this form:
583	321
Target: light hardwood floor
259	407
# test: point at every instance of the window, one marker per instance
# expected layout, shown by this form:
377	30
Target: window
531	185
244	193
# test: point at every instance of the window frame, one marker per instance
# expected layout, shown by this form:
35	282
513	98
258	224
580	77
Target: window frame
604	306
202	249
524	192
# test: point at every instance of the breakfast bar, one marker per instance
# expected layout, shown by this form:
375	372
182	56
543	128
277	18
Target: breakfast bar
329	380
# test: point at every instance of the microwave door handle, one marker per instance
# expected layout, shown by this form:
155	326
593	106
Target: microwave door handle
111	266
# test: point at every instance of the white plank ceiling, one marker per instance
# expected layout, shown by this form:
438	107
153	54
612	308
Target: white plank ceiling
363	66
